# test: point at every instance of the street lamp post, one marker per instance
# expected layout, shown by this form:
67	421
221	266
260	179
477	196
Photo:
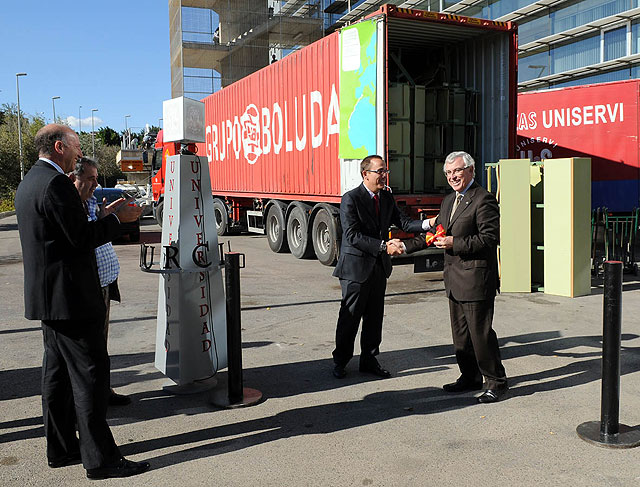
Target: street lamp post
53	103
19	124
93	141
126	132
79	120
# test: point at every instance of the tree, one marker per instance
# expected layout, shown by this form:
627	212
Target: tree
108	172
9	146
108	136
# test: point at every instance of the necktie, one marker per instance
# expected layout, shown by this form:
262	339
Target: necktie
376	203
455	205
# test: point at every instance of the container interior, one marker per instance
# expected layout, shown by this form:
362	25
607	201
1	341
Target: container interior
448	90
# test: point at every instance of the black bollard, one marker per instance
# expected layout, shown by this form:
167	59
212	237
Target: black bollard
234	340
611	331
608	432
237	396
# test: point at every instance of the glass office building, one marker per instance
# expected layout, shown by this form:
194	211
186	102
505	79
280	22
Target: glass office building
567	42
560	42
214	43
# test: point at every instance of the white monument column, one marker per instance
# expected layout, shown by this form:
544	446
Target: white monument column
191	341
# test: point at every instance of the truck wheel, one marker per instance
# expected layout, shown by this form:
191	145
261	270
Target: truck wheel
160	212
324	236
276	229
298	233
222	218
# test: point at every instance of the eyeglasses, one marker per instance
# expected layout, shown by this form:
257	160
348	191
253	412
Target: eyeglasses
455	172
379	172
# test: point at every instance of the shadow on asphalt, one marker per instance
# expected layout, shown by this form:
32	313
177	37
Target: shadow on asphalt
286	380
312	420
630	282
323	301
6	227
20	330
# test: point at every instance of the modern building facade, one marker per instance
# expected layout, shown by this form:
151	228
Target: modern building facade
216	42
560	42
567	42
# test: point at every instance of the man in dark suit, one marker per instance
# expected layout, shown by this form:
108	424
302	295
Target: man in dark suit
366	213
471	219
62	289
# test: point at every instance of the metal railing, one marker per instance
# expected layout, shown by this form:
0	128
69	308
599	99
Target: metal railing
614	237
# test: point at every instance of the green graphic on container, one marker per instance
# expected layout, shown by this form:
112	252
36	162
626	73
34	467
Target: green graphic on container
358	47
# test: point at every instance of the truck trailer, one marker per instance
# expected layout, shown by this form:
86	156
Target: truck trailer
284	144
598	121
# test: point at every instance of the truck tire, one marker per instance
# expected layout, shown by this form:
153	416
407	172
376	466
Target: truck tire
298	235
222	217
324	235
160	212
276	229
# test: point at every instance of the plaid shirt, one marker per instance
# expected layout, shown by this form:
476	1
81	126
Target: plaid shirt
106	258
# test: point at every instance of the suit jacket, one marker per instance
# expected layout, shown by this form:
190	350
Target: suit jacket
363	231
471	266
60	273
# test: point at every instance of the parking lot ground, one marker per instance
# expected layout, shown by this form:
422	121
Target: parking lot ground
314	430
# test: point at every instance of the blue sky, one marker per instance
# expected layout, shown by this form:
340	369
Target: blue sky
110	55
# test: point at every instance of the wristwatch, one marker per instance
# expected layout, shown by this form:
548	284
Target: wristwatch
383	246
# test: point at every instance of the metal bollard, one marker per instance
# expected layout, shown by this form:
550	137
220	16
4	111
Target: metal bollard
237	395
608	432
234	340
611	331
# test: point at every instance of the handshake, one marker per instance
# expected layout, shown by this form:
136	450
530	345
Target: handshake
395	247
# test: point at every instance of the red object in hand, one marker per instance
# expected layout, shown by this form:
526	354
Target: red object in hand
429	238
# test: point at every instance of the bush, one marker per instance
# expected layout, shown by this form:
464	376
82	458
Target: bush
7	202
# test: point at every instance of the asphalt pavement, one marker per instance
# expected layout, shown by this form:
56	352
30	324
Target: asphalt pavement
314	430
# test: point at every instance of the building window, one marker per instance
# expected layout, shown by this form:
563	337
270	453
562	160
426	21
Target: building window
493	9
533	66
618	75
197	25
449	3
635	37
614	43
586	11
534	29
576	54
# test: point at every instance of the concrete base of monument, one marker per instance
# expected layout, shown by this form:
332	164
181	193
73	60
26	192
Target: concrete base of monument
194	387
220	398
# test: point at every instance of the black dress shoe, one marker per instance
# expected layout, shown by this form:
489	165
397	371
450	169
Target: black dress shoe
124	468
492	395
71	459
339	372
375	369
116	399
462	386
